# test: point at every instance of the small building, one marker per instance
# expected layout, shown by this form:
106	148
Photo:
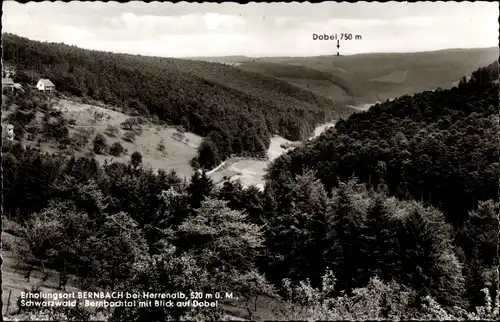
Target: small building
9	131
46	85
18	87
7	83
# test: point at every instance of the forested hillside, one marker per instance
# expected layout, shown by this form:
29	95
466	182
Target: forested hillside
379	76
236	111
324	83
439	147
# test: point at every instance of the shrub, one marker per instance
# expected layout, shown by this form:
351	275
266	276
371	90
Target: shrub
155	119
136	159
130	124
64	142
112	131
57	131
129	137
55	113
138	131
100	146
6	245
81	138
116	149
32	127
161	146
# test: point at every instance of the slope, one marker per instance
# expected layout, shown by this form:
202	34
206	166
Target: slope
322	83
380	76
440	147
238	111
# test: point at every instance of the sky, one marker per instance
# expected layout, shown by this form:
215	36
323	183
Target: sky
255	29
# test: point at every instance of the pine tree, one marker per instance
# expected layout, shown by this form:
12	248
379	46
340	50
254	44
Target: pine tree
199	188
379	245
346	225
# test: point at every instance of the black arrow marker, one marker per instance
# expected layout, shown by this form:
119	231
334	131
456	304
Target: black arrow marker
338	46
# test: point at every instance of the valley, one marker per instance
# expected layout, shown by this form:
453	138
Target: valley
251	171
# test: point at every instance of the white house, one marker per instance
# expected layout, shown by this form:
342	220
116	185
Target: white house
18	87
45	85
7	83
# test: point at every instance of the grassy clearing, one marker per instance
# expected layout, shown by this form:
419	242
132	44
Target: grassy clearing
179	148
251	171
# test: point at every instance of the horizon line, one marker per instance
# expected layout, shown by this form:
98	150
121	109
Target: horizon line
257	57
341	55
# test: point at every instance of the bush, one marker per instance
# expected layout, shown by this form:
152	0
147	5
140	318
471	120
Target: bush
136	159
161	146
100	146
116	149
31	137
6	245
55	113
81	138
57	131
112	131
130	124
138	131
64	142
129	137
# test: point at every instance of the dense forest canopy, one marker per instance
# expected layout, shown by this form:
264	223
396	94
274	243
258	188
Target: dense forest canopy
236	111
439	147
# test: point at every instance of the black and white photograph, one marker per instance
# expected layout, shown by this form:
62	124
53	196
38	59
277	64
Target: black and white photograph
250	161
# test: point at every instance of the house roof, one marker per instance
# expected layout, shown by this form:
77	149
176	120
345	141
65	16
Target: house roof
46	82
7	81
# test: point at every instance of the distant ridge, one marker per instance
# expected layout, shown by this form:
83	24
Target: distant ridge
249	58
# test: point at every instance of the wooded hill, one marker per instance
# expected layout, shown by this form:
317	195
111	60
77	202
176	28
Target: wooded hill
440	147
236	111
375	76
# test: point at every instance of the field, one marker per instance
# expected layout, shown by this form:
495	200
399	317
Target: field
251	171
179	148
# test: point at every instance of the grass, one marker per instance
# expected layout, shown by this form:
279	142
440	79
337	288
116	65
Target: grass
251	171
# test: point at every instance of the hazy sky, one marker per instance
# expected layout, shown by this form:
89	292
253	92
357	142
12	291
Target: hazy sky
279	29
